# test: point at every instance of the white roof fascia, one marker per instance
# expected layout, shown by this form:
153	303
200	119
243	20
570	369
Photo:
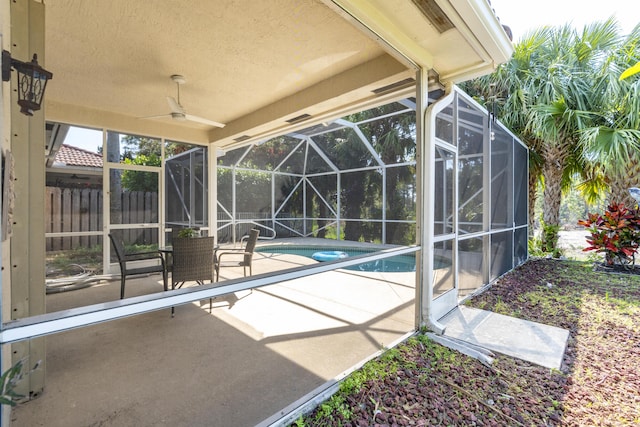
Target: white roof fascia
369	17
478	24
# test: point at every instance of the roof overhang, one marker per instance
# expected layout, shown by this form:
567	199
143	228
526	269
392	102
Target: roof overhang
263	68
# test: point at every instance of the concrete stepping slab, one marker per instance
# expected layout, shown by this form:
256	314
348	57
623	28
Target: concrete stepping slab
534	342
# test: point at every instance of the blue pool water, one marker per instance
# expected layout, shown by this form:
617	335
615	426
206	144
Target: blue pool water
397	264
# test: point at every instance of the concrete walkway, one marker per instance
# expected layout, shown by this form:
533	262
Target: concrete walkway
534	342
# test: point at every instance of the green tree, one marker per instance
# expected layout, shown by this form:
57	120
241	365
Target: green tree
135	146
141	180
560	93
393	140
506	94
612	135
140	151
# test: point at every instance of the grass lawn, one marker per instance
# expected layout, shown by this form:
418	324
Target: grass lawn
420	383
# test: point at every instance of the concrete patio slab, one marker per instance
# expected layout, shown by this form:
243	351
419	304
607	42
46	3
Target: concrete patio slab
253	355
534	342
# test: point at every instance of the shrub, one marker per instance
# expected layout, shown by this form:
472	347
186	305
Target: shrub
547	243
549	239
187	232
8	383
616	234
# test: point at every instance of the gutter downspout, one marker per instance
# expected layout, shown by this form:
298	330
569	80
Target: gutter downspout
427	208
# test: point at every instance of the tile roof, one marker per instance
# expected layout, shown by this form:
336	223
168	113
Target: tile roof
74	156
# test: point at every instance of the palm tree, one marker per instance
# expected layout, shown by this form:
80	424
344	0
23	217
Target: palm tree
612	137
561	95
506	94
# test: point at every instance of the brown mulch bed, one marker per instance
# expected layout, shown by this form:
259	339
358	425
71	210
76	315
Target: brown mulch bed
421	383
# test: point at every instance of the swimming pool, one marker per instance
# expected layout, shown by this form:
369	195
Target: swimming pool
396	264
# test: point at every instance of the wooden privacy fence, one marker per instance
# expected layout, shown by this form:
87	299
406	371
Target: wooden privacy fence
73	210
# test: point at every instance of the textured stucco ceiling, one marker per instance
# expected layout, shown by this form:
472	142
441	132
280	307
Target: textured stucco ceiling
252	64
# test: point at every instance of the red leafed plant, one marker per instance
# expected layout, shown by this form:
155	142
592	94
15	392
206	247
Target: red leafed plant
616	234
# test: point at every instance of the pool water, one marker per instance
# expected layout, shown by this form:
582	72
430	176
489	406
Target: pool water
396	264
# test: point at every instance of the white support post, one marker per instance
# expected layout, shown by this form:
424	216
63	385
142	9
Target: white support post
212	194
422	86
27	263
425	180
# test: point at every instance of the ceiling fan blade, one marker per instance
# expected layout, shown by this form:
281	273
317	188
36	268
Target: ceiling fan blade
203	121
174	105
159	116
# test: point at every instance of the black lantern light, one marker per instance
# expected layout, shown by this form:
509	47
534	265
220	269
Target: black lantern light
32	81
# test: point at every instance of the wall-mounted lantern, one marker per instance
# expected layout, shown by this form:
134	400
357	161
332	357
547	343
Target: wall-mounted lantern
32	81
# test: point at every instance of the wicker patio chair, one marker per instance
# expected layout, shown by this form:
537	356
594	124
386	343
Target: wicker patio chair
193	260
127	267
238	257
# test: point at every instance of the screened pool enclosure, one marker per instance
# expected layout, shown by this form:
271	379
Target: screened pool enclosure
351	179
354	179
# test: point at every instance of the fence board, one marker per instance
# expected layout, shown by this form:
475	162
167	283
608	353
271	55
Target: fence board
54	217
80	209
146	213
75	215
138	202
126	215
85	223
66	216
94	214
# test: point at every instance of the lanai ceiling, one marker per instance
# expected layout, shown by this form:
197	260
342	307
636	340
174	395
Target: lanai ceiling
261	67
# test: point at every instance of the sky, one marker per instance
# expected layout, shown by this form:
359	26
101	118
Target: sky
524	15
88	139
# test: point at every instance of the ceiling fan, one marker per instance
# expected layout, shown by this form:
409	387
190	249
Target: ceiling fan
177	110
